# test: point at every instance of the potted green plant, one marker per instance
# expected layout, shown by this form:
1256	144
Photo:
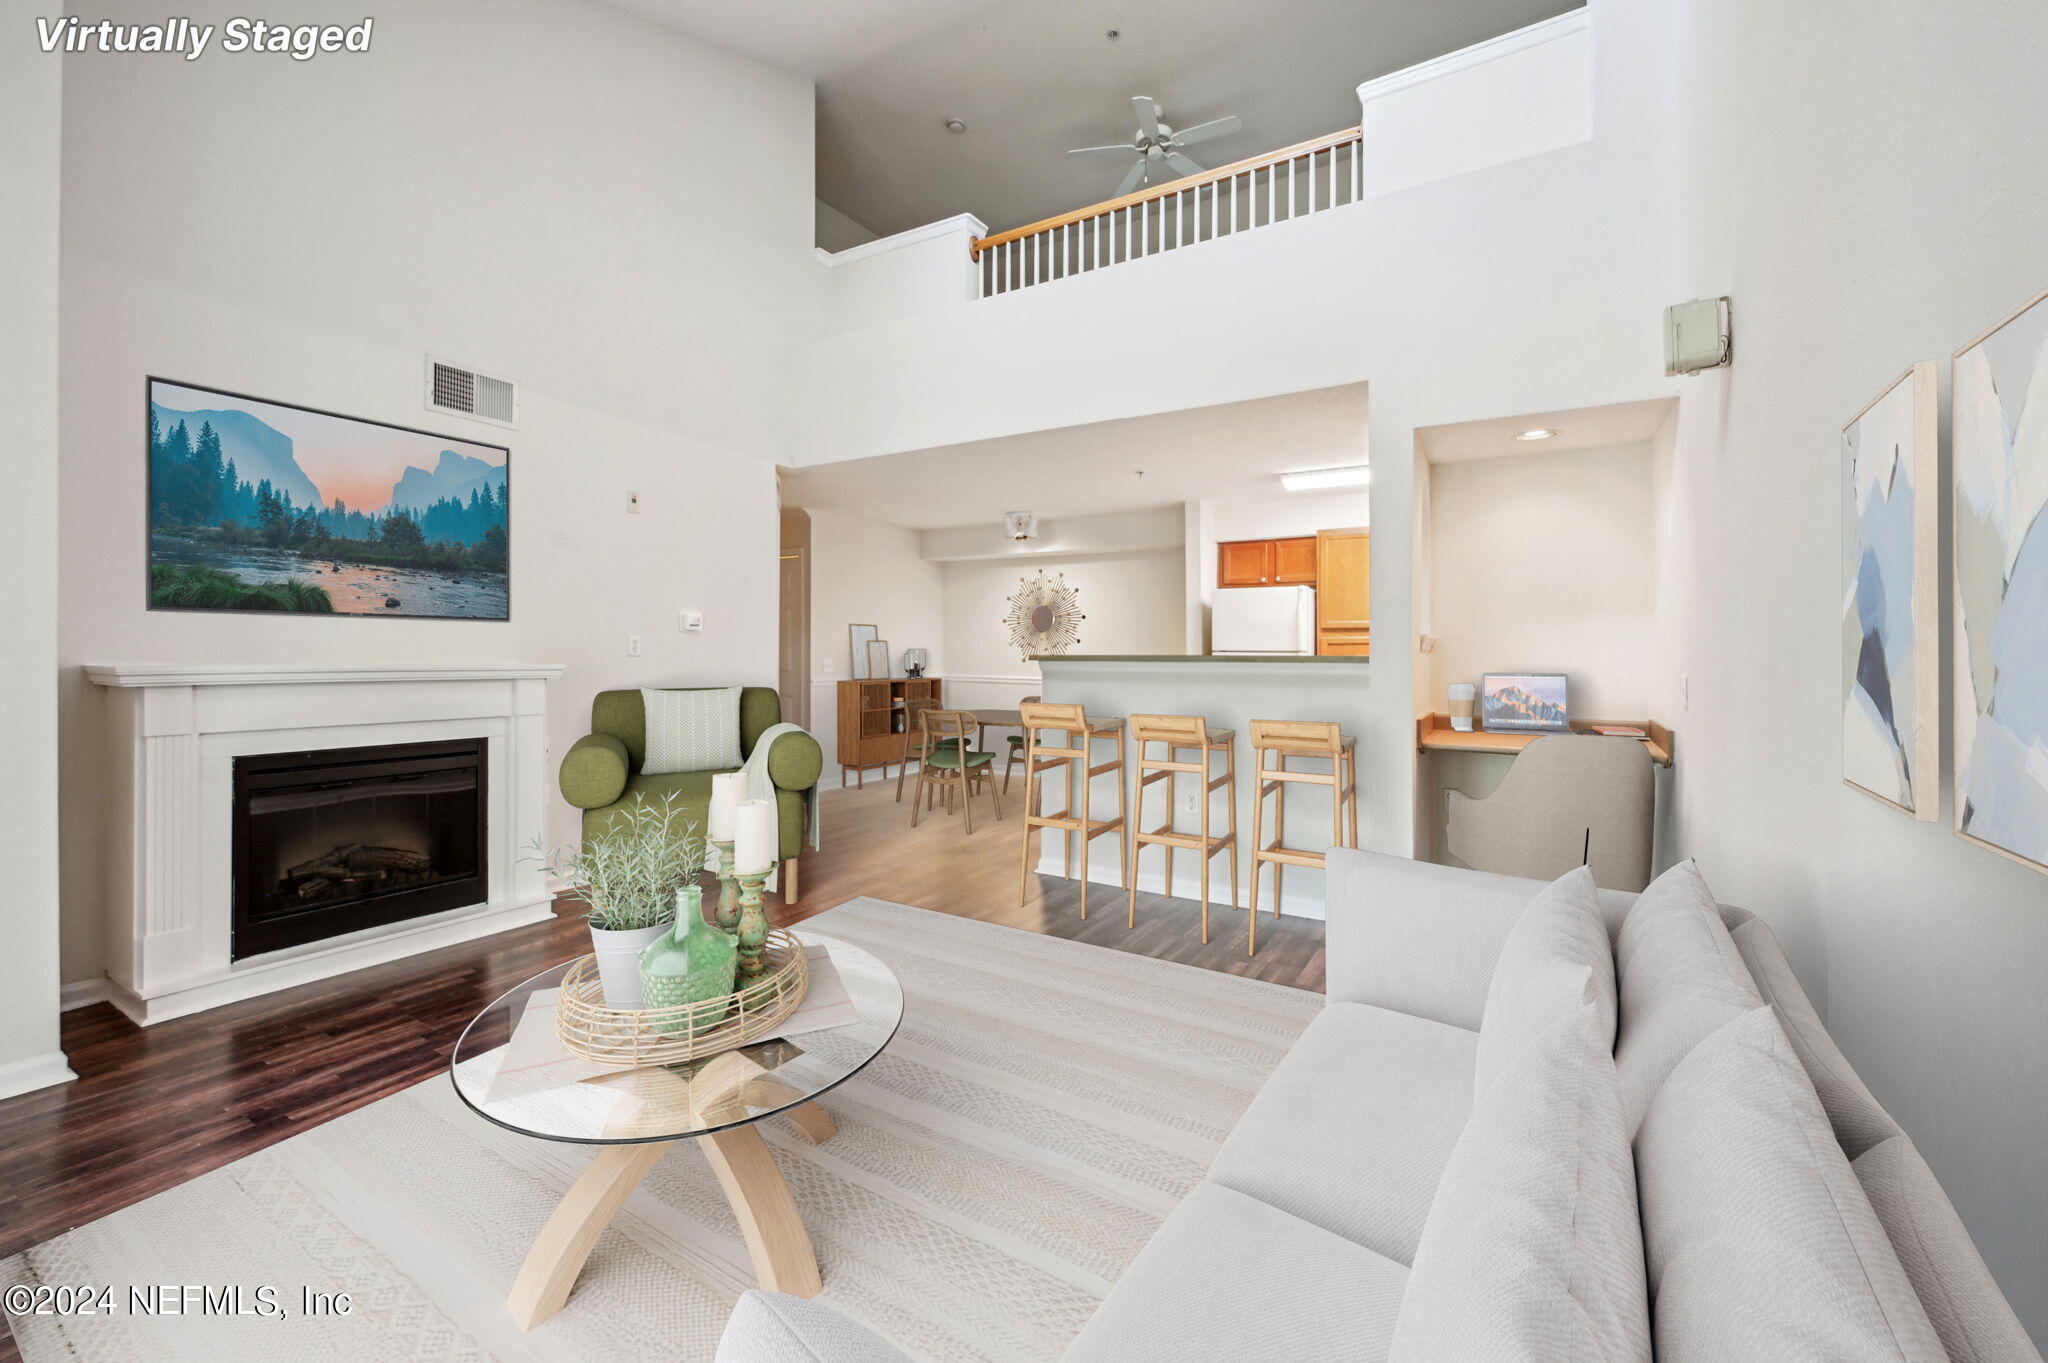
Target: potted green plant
627	879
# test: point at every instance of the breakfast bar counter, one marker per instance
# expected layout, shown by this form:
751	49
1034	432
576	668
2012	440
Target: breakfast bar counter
1228	692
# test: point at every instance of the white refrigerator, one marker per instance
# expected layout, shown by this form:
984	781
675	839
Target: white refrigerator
1263	620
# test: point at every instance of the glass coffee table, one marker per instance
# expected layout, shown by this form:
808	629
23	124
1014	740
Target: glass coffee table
632	1117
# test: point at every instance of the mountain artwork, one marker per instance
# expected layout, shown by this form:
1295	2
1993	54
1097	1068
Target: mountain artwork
265	506
1999	443
1890	652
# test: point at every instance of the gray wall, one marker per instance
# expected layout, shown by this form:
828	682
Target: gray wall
1870	184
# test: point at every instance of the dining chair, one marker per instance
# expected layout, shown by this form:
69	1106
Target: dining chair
952	764
1016	747
913	739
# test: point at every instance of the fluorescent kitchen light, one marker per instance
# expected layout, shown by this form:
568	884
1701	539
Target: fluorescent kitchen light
1540	433
1306	480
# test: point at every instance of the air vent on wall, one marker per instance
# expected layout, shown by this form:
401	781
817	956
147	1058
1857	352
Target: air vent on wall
465	392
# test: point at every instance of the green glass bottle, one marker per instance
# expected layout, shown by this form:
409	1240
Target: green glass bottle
694	962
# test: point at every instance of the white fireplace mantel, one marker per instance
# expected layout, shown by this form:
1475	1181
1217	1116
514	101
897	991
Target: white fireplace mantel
175	733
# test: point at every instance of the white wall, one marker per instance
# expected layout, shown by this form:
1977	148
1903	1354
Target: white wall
1132	601
1871	192
1546	563
1425	293
31	106
626	230
870	573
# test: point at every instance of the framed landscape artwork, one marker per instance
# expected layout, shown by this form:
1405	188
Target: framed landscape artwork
266	506
1999	440
1891	647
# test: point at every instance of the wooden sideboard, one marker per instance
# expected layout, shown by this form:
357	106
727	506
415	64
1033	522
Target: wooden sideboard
871	721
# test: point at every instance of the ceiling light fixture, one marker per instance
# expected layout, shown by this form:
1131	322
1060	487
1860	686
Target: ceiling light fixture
1539	433
1309	480
954	125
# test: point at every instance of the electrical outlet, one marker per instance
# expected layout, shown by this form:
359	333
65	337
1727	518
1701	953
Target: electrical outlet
826	666
691	621
1191	804
632	503
632	645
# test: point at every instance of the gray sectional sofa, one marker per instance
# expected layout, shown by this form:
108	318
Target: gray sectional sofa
1536	1123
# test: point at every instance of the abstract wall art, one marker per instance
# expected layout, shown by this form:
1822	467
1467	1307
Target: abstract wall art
1891	647
266	506
1999	440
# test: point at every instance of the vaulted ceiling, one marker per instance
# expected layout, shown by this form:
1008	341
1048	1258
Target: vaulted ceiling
1031	78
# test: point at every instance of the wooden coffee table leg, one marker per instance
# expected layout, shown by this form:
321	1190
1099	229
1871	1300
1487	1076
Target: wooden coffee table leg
556	1259
775	1234
811	1120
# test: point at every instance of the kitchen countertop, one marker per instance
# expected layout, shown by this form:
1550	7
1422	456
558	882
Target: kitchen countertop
1289	659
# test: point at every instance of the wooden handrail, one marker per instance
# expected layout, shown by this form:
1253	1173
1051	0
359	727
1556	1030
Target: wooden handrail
1167	190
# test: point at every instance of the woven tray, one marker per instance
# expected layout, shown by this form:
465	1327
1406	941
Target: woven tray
660	1036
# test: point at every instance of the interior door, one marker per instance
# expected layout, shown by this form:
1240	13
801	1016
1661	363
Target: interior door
793	638
1344	592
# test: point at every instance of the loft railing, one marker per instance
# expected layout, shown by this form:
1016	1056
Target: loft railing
1307	177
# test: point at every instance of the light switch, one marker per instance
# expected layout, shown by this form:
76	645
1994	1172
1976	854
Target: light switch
632	645
691	621
632	503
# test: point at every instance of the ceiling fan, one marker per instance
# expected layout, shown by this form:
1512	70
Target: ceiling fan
1157	145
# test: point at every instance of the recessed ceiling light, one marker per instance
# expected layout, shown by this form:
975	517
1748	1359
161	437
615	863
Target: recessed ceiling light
954	125
1540	433
1307	480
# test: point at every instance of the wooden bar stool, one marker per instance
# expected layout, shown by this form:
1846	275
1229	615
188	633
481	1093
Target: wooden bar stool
1080	731
1182	733
1285	738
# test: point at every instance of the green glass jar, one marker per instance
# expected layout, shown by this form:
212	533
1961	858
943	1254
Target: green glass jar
693	963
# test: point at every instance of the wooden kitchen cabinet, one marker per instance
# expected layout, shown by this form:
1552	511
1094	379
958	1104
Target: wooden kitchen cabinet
1267	563
1294	562
1244	563
1344	592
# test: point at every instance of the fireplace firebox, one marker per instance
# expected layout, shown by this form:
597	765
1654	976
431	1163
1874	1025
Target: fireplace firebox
339	840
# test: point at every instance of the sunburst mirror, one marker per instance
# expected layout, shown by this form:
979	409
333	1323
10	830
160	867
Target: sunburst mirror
1043	617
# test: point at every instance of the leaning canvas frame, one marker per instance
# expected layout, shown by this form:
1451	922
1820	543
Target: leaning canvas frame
858	638
1998	563
1890	680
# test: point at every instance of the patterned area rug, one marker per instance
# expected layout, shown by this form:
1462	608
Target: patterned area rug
1045	1104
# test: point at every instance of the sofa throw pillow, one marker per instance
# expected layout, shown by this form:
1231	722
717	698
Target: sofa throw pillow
1556	958
1679	977
696	730
1970	1315
1532	1251
1760	1242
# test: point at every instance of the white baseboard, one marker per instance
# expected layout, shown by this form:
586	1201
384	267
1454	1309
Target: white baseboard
84	993
36	1072
268	977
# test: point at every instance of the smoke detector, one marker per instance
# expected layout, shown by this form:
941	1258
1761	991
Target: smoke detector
1020	525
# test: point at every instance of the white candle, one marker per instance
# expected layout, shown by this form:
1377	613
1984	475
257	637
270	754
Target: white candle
728	790
754	837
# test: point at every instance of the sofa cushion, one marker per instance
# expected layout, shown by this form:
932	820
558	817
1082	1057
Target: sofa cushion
697	730
1972	1317
1859	1121
1555	960
1533	1252
1352	1130
773	1327
1680	978
1227	1278
1761	1243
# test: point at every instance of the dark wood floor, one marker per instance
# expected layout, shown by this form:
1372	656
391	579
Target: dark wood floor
154	1107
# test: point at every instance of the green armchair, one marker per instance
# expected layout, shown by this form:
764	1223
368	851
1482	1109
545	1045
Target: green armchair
602	770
